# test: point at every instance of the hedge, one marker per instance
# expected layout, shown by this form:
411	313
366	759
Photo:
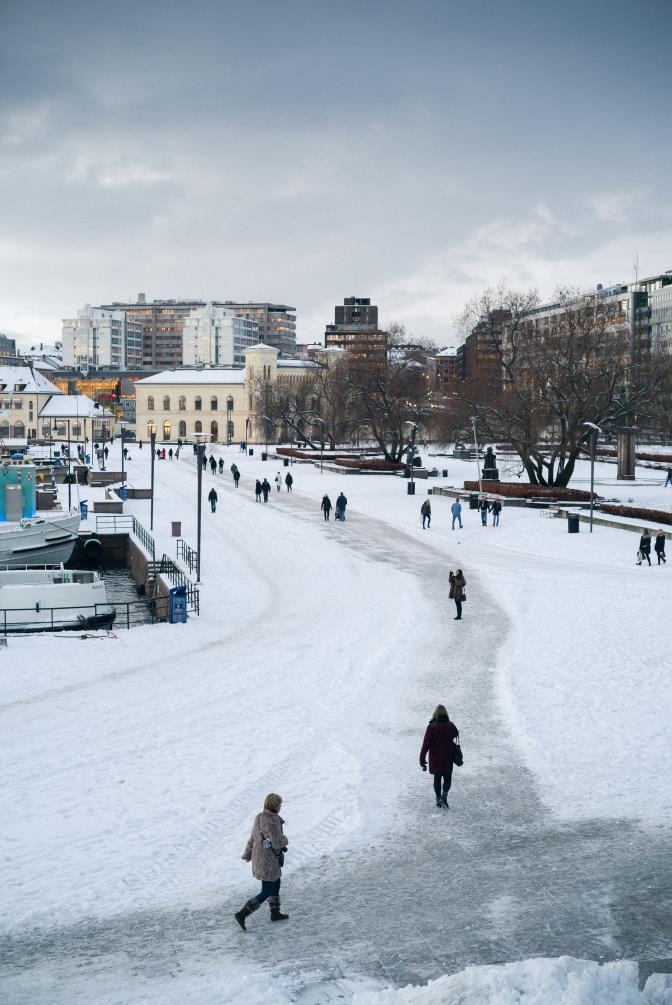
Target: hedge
311	455
637	513
526	491
371	464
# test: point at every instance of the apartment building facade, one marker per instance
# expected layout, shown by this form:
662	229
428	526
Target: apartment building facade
356	330
217	336
100	337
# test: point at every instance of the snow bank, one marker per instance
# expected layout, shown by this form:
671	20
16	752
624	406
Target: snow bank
562	981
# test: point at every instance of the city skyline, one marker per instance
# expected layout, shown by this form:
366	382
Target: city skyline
304	154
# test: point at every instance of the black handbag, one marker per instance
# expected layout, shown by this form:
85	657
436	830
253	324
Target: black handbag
458	760
463	598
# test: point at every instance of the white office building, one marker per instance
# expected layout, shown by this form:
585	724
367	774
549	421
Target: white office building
101	338
216	336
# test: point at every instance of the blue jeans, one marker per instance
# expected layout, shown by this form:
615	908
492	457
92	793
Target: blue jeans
268	889
484	517
456	517
495	519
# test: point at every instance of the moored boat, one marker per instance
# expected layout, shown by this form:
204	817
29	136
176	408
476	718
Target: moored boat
53	600
42	540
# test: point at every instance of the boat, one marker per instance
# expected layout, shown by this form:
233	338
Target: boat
53	600
41	540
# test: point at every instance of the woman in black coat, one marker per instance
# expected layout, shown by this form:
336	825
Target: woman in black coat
660	546
645	546
441	736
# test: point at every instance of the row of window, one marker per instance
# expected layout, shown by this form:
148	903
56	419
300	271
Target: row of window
182	404
198	428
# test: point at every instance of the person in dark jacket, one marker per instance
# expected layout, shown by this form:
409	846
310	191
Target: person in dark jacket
484	507
265	489
426	510
341	503
645	546
236	477
660	547
220	465
456	593
265	850
170	454
289	481
204	461
212	496
440	738
257	491
496	510
213	464
326	506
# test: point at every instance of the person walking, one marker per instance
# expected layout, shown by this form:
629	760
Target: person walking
266	851
496	510
177	454
439	742
660	547
645	547
170	454
426	511
289	481
140	445
341	503
107	452
668	480
456	510
204	461
278	481
236	477
221	465
213	464
326	506
484	507
241	449
456	592
265	488
257	491
163	454
212	496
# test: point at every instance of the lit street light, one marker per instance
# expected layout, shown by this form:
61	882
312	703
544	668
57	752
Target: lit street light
593	447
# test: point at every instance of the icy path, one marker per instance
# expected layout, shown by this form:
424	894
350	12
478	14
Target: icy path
495	879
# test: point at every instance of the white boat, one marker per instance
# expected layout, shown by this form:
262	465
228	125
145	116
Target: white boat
52	600
43	540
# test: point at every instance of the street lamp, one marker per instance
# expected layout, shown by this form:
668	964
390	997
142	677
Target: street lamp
478	460
123	473
229	409
69	470
323	424
269	426
248	434
151	429
593	447
411	485
200	447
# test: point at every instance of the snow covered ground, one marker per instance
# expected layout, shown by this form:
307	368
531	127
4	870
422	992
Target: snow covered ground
132	765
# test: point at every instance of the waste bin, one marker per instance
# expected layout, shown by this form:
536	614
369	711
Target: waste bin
473	500
410	488
445	472
250	451
176	528
123	493
285	462
84	509
264	455
573	523
177	605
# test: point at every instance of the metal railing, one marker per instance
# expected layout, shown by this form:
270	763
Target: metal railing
120	614
187	554
125	523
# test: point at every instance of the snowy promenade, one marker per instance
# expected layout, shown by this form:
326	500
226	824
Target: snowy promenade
132	778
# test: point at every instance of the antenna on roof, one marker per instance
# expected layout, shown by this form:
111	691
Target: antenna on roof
636	266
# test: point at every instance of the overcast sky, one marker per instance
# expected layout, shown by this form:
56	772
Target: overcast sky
303	151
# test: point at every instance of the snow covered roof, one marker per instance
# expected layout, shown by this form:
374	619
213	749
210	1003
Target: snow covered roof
47	363
450	351
187	375
23	380
295	362
73	406
262	346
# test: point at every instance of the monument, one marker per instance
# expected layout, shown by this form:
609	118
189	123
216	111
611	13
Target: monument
490	472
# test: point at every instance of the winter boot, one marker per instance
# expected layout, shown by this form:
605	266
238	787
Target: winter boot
438	801
276	913
250	907
444	798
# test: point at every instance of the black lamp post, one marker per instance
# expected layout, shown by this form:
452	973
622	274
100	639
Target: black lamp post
248	434
200	451
152	441
229	409
123	473
411	487
322	425
69	470
595	430
269	428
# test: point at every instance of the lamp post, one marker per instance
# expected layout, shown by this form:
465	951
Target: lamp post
151	428
123	472
200	448
69	470
322	423
595	430
229	409
248	434
414	426
269	426
478	460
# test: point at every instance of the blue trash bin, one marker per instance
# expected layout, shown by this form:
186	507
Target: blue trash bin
123	493
177	605
84	509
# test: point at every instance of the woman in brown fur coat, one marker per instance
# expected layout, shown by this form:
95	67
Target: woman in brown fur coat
265	850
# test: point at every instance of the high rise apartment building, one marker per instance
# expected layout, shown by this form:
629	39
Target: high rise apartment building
216	336
100	337
163	325
356	329
7	347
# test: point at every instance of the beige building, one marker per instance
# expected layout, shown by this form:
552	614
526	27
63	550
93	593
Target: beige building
218	402
23	394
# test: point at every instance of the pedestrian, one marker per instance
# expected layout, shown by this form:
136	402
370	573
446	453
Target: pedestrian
195	448
242	447
265	489
106	452
257	491
140	445
326	506
439	742
278	481
177	454
645	546
213	464
163	454
660	547
484	507
204	461
456	510
456	593
668	480
221	465
496	510
179	442
266	851
426	510
289	481
158	453
341	503
236	477
125	453
212	496
170	454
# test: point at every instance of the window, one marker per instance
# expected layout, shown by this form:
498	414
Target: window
19	429
198	428
213	404
182	403
182	429
4	429
166	403
198	404
150	404
166	430
231	434
76	430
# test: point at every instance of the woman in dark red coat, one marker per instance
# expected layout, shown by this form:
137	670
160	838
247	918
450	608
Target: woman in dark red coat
439	741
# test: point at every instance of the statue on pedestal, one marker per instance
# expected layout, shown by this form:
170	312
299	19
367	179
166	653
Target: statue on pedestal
490	472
